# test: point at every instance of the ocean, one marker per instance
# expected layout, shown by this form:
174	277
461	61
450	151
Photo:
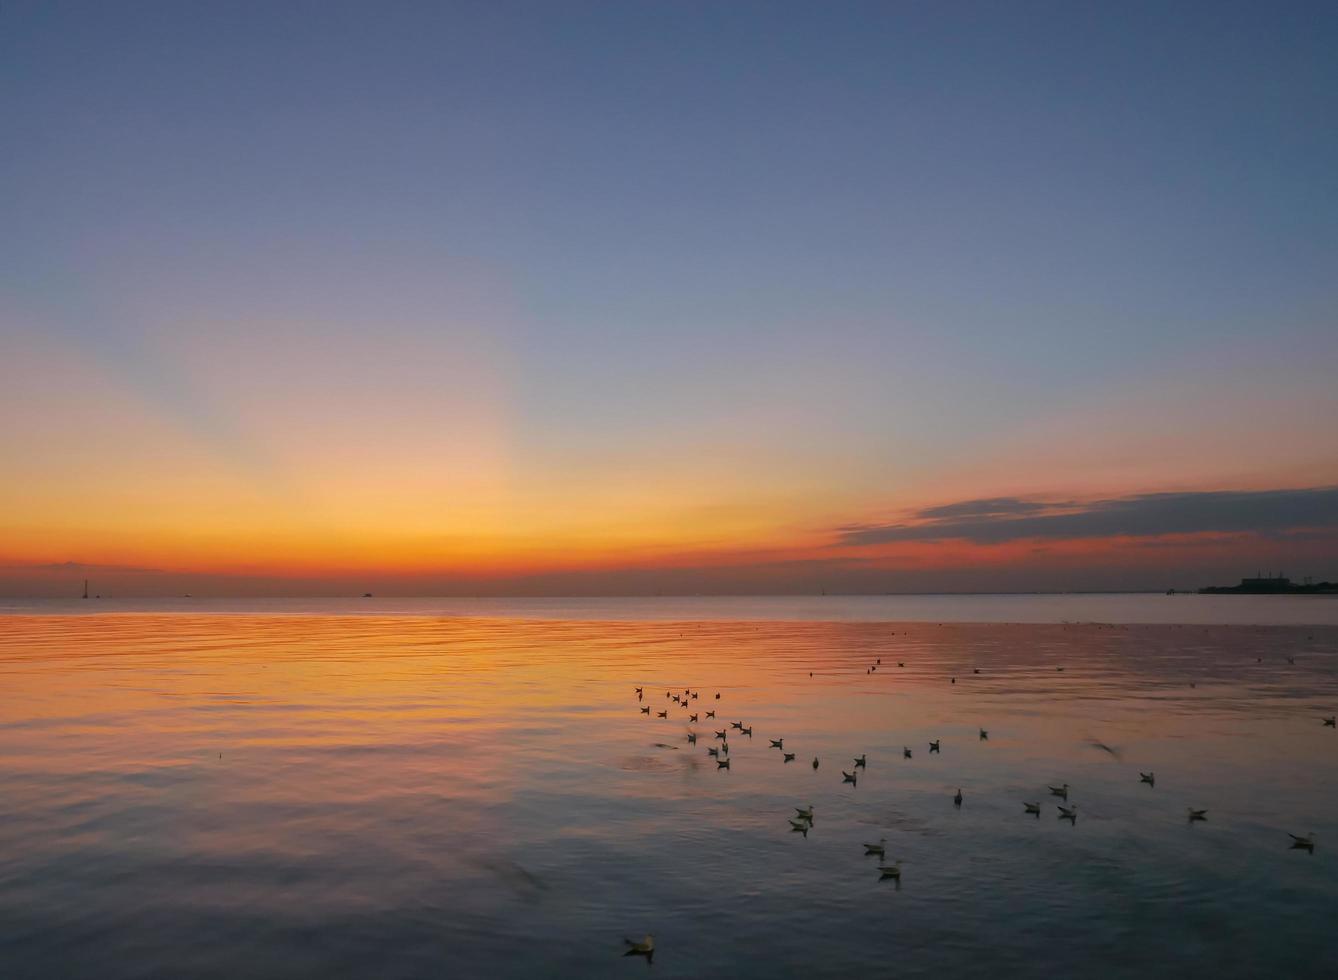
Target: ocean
415	788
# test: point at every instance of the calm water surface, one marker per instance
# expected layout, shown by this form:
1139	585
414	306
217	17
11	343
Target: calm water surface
236	794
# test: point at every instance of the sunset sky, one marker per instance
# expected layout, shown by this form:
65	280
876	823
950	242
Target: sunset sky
496	297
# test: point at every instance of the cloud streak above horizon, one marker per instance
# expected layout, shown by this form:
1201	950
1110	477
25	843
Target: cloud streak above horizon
997	520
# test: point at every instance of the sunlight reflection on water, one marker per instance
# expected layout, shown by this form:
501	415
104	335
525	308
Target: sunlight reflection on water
402	796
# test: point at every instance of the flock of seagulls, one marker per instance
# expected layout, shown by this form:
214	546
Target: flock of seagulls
802	821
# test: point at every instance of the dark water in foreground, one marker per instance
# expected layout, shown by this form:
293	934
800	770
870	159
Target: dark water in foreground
208	795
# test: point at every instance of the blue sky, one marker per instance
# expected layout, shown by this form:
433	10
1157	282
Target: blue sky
866	239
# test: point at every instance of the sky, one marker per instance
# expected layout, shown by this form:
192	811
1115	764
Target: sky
571	298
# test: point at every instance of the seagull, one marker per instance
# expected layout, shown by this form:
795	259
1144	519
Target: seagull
710	714
646	947
638	692
880	660
713	752
957	800
692	717
1031	808
724	748
1306	843
984	735
905	752
736	724
789	756
805	813
975	670
717	695
848	777
901	663
954	680
694	695
1329	721
801	826
1196	814
661	714
815	762
747	731
889	871
646	710
1069	813
859	763
1061	791
722	763
692	738
1059	669
1148	777
876	848
933	746
777	743
720	734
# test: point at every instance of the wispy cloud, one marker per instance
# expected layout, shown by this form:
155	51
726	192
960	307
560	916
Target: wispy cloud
999	519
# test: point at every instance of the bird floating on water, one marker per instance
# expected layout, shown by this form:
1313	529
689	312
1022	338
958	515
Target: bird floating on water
1148	777
722	763
724	748
889	871
848	777
1306	843
692	717
984	735
710	714
805	813
1196	814
901	663
747	731
736	724
692	738
644	947
975	670
788	756
801	826
1031	808
1329	721
646	710
957	800
717	695
721	734
1069	813
878	848
1060	791
905	751
815	762
777	743
715	753
933	746
859	762
661	714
